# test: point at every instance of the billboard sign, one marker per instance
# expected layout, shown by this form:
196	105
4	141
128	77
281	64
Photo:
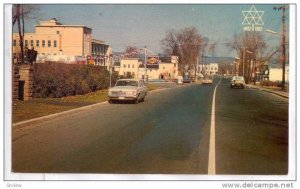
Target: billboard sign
152	62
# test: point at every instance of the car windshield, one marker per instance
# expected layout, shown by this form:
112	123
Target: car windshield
127	83
238	78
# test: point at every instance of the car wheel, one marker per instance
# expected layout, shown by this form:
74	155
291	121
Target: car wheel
143	99
110	101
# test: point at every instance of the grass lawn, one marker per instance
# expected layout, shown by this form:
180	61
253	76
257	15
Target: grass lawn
38	107
276	88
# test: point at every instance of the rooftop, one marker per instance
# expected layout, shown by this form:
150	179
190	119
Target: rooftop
54	23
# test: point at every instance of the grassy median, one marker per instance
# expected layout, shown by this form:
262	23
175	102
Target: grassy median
38	107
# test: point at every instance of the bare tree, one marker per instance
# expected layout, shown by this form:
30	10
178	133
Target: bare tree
20	13
131	52
248	46
186	44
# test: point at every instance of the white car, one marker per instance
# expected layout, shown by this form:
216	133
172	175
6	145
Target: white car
179	80
207	80
128	90
237	81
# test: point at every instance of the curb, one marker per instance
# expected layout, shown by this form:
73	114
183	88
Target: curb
57	114
269	91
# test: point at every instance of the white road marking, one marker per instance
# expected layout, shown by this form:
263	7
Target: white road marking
212	146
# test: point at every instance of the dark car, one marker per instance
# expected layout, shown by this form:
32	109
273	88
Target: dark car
237	81
187	80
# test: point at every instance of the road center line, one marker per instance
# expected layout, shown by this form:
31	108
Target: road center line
212	146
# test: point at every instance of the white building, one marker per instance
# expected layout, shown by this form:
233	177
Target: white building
275	74
209	69
130	66
166	69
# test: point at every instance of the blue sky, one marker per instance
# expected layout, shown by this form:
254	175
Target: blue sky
140	25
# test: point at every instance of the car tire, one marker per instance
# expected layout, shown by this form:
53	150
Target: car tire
110	101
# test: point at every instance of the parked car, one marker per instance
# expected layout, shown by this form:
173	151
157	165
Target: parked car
186	80
207	80
179	80
237	81
128	90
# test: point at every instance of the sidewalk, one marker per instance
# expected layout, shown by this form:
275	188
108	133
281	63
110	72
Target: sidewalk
283	94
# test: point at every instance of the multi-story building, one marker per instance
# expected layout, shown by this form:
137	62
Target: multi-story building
130	67
55	41
209	69
101	53
166	69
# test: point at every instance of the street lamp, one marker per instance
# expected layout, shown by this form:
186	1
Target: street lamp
273	32
283	50
111	64
237	68
145	56
244	59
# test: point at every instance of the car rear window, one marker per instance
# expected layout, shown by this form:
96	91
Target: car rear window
238	78
127	83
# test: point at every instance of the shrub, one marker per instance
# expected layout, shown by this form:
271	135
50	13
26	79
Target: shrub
59	79
270	83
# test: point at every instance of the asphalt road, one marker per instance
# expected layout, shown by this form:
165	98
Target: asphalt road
168	133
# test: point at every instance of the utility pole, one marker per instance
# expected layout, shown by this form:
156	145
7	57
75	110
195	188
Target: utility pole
196	70
283	44
145	79
244	52
202	64
283	48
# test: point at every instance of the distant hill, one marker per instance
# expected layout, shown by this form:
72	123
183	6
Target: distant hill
219	60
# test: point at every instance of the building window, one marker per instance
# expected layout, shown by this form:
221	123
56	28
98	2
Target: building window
49	43
43	43
132	65
14	43
31	43
128	65
26	43
124	65
57	32
37	43
54	43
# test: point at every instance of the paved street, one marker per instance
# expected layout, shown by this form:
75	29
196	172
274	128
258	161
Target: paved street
168	133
